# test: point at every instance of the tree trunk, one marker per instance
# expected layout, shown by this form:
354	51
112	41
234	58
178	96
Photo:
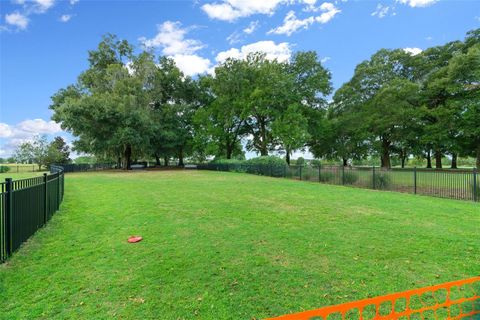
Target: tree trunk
345	162
287	157
454	161
403	161
119	162
478	157
180	157
385	159
128	157
263	133
229	151
429	160
438	159
165	161
157	160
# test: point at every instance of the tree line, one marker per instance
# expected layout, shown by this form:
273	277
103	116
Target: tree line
43	153
129	106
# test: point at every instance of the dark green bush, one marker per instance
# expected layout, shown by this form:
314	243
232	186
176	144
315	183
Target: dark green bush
266	160
300	161
350	177
326	176
4	169
382	180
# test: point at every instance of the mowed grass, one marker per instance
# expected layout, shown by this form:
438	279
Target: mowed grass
231	246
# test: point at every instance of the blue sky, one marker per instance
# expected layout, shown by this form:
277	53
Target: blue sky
44	43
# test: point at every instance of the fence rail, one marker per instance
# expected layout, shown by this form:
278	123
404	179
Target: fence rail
452	184
26	205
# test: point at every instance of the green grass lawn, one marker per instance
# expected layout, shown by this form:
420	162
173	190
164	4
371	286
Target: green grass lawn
231	246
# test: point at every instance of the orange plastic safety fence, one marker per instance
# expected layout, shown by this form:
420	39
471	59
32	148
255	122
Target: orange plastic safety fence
452	300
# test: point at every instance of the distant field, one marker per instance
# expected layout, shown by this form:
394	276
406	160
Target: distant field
231	246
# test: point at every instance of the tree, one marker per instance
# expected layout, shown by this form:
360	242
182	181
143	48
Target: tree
108	108
381	97
464	74
58	152
35	151
291	130
221	123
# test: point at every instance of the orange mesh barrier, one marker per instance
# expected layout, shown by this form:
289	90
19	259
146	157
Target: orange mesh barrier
452	300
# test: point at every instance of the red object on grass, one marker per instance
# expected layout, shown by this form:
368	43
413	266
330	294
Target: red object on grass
134	239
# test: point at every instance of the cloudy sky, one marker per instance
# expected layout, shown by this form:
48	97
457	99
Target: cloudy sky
44	43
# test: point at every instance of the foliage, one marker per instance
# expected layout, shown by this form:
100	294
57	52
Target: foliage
381	180
350	177
85	160
396	106
266	160
326	176
300	161
4	169
36	151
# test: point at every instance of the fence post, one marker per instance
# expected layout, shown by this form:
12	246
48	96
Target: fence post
58	190
373	180
284	170
319	172
45	199
300	172
9	216
415	180
475	187
343	174
271	170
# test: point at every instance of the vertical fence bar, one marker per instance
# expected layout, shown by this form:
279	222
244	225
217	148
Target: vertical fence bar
373	178
9	216
415	180
45	198
300	172
343	175
319	172
475	187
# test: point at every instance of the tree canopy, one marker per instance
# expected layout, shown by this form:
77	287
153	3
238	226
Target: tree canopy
129	106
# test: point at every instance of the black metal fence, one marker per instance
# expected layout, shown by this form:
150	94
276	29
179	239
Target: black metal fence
453	184
26	205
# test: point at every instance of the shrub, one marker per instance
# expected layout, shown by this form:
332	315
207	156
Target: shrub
4	169
266	160
326	176
300	161
382	180
350	177
306	176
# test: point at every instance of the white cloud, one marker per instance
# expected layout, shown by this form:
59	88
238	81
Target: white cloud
171	37
292	24
65	17
13	135
413	51
43	5
329	11
280	51
5	130
381	11
17	19
417	3
192	64
325	60
251	27
72	2
235	37
230	10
